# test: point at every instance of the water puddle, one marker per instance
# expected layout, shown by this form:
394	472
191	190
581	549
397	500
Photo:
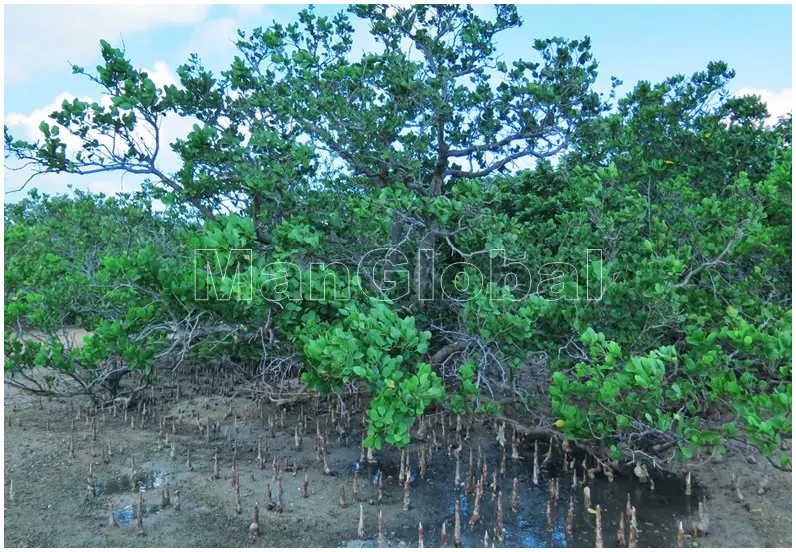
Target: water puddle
142	481
658	510
130	486
124	515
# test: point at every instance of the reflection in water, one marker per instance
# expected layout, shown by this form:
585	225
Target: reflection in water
658	511
124	484
124	515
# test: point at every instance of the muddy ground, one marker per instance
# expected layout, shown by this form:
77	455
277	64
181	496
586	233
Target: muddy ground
52	505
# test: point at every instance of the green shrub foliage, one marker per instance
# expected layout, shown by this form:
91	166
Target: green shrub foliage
375	233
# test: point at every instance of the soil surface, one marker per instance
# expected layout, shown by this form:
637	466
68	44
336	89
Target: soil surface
762	516
50	444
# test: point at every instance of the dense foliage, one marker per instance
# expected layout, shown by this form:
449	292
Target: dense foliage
361	222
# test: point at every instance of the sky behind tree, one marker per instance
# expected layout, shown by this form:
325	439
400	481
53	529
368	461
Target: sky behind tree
631	42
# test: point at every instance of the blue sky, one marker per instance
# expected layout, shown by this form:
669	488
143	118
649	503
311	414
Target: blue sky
632	42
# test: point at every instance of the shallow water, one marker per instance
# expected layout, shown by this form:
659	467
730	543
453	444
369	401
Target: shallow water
142	481
124	515
658	511
125	488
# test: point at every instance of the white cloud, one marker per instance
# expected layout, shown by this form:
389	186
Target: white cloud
26	126
42	39
161	75
778	103
108	183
